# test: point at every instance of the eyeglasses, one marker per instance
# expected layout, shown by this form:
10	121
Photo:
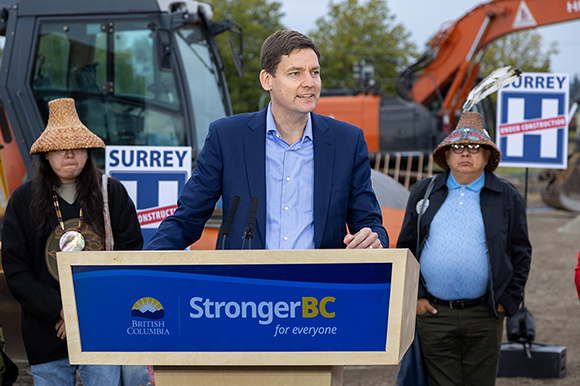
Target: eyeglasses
458	149
75	151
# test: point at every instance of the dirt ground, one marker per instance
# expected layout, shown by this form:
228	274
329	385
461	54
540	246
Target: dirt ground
550	293
550	296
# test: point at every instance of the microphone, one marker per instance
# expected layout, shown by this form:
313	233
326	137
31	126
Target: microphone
249	230
230	219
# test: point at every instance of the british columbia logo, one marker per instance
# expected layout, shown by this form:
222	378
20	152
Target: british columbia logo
147	308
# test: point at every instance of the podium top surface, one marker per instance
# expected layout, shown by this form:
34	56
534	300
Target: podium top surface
253	256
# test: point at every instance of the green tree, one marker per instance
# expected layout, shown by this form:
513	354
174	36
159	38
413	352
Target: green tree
354	31
259	19
521	50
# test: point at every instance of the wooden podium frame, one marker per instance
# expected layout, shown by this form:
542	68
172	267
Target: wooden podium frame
250	368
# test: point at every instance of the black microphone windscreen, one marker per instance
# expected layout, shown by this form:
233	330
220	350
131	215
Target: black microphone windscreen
231	215
252	218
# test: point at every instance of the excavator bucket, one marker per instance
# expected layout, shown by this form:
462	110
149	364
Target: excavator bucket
562	188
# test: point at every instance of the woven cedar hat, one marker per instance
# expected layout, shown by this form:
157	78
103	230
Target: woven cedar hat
469	130
64	130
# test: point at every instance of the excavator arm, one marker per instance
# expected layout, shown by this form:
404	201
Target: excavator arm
451	65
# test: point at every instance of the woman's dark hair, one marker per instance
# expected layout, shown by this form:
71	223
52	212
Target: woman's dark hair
89	196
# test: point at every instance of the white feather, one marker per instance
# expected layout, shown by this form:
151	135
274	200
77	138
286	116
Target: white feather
493	82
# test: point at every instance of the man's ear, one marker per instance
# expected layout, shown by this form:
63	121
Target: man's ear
265	78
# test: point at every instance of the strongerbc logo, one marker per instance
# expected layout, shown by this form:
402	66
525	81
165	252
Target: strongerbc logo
148	308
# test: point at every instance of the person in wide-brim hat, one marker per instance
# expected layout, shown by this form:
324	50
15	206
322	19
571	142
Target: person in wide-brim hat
67	205
64	130
469	130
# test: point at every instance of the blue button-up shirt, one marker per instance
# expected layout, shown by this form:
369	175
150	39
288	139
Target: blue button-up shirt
289	189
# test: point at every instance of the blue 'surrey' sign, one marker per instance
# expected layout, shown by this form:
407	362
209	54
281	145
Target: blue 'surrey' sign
154	177
230	308
532	129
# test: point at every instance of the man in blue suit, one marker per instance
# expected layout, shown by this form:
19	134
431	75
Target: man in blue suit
310	173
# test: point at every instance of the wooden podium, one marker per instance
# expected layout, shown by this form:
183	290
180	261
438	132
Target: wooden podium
240	317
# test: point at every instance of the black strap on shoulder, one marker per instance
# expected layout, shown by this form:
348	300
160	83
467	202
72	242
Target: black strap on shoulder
421	211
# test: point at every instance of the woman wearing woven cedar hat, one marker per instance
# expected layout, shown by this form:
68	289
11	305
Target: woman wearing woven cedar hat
60	209
475	256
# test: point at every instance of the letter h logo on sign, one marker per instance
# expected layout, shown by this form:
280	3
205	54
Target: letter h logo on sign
532	126
154	194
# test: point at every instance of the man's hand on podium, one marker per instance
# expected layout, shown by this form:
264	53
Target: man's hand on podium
60	330
363	239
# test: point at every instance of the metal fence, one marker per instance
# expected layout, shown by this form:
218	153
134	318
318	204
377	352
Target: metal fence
405	167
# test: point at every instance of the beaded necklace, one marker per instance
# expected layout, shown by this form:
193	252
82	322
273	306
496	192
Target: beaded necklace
71	241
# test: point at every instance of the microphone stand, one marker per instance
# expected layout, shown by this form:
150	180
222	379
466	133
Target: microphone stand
249	230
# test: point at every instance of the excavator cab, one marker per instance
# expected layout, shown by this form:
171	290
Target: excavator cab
120	90
141	73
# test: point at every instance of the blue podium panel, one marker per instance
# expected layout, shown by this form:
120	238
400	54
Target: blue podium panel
231	308
239	308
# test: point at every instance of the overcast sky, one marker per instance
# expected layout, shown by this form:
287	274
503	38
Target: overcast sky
424	17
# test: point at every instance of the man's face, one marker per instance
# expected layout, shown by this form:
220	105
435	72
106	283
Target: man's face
295	86
466	167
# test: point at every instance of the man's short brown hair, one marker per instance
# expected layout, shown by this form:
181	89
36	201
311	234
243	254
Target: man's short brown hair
283	43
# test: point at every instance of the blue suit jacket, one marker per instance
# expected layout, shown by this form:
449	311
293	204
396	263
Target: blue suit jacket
233	162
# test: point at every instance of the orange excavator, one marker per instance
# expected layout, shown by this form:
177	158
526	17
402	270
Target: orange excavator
432	90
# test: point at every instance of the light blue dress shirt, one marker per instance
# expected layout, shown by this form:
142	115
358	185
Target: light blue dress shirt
455	259
289	189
